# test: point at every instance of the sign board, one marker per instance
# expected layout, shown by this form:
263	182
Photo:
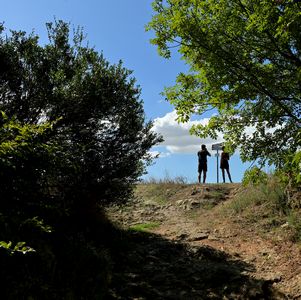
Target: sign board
217	146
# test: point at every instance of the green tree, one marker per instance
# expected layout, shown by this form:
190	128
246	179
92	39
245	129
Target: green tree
101	127
73	136
245	63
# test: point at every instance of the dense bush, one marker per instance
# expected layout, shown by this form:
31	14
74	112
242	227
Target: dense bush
254	176
73	136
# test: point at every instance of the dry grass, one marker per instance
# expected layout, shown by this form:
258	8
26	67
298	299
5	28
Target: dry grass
265	206
158	193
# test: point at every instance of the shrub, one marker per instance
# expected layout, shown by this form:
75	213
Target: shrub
294	220
254	176
270	194
73	137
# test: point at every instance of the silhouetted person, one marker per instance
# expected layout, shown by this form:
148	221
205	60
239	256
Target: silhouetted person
202	155
225	164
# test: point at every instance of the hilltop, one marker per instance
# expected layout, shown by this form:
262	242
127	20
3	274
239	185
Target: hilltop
188	241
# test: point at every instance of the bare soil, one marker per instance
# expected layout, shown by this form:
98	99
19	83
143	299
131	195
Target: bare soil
194	251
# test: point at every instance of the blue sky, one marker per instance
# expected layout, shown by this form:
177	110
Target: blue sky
117	28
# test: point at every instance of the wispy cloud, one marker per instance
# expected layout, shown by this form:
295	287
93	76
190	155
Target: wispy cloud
159	154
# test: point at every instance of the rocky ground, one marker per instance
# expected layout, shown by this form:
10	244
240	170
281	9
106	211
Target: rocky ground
183	247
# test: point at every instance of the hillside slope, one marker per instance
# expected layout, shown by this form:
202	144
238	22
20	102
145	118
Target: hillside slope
182	243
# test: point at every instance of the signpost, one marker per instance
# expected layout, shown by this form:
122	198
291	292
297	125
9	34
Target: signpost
217	147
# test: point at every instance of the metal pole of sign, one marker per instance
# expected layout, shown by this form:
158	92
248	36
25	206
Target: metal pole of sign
217	165
217	147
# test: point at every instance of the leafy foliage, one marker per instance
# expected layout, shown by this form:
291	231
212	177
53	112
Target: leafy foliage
73	137
101	126
254	176
245	64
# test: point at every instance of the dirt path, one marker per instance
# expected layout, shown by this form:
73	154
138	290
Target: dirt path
196	253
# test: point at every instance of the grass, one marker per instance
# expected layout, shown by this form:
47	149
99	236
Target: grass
266	205
158	193
166	180
208	205
294	221
249	197
269	196
144	226
218	194
152	193
263	205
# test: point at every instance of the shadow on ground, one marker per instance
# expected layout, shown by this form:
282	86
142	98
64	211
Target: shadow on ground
150	267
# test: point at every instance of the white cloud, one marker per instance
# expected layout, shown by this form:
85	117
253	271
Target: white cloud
177	138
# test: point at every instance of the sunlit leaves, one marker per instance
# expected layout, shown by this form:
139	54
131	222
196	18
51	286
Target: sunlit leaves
18	247
245	64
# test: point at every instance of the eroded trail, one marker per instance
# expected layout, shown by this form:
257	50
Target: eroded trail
193	251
